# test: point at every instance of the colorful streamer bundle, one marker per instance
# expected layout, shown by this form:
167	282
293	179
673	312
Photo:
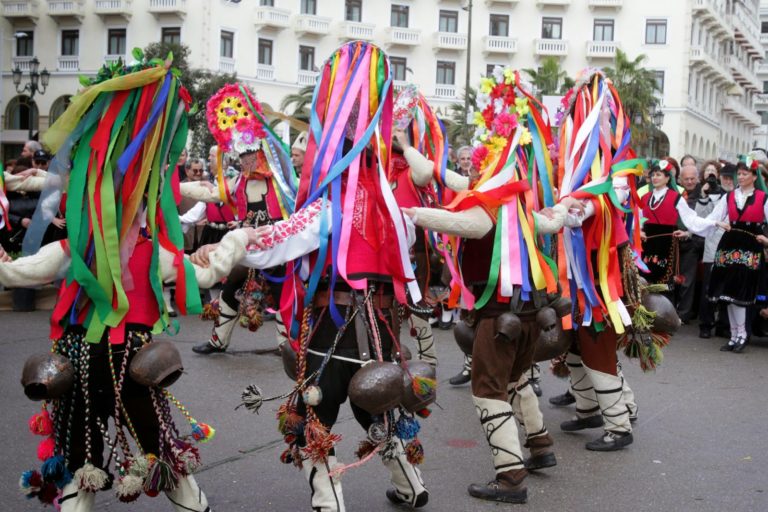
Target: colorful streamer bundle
3	202
512	152
595	159
123	137
348	151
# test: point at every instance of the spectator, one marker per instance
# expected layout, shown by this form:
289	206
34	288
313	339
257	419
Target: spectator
691	248
298	150
181	164
193	171
41	160
687	160
30	148
465	164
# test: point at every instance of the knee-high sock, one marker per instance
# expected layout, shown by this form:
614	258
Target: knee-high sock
737	315
326	491
75	500
447	315
628	394
609	392
188	497
225	324
405	477
425	340
500	429
525	407
581	387
167	299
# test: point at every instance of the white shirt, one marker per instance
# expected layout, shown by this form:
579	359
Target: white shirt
693	223
721	208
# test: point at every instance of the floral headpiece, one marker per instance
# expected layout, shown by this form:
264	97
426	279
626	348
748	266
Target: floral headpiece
501	110
406	105
232	120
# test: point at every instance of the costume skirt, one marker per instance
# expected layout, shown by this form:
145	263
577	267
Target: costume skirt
660	253
736	269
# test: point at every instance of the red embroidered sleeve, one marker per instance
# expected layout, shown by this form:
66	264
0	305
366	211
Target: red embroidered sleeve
296	223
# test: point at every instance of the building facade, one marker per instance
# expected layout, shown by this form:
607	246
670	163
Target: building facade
706	53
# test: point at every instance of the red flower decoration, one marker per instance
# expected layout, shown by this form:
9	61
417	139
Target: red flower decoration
185	97
478	157
504	124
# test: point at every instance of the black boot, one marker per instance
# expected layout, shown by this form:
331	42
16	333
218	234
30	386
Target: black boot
542	455
582	423
206	349
610	442
460	378
507	488
421	499
562	400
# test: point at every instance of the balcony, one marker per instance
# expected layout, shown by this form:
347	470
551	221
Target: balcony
762	69
23	63
508	3
499	44
553	47
403	36
399	85
227	65
21	10
311	25
353	30
764	39
761	99
743	74
68	63
713	15
265	72
450	41
555	3
611	4
65	10
107	8
172	7
712	68
746	32
306	77
445	91
272	17
602	49
741	111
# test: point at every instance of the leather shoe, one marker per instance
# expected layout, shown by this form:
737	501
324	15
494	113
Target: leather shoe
420	501
610	442
562	400
728	347
501	490
460	378
445	326
540	461
738	348
582	423
206	349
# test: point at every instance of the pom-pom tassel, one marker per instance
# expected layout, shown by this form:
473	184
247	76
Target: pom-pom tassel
642	318
161	477
414	452
424	386
129	488
48	493
407	428
55	470
139	466
252	398
320	441
30	483
559	368
424	413
46	448
210	311
202	432
40	423
364	449
90	478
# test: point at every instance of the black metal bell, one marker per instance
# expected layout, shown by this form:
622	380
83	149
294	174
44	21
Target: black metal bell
157	364
377	387
667	320
47	376
508	327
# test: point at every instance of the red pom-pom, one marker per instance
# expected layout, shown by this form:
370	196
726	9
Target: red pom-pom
48	493
40	424
46	448
424	413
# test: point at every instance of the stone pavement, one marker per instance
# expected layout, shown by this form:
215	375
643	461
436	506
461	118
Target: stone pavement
700	441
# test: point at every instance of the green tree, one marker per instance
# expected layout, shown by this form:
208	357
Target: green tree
161	50
458	129
638	90
549	79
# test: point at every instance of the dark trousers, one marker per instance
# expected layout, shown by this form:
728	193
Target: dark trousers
711	314
691	252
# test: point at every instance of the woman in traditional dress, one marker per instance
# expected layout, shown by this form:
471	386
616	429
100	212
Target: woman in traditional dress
739	255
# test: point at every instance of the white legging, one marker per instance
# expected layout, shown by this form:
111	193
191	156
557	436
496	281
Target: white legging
737	316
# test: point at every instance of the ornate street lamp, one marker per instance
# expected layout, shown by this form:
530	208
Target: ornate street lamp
38	83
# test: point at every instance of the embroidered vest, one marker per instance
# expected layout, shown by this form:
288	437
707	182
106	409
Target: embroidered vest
664	213
753	209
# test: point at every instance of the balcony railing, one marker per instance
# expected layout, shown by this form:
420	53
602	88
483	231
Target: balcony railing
178	7
445	91
743	74
311	24
111	59
615	4
68	63
499	44
265	72
355	30
502	2
746	31
113	8
307	77
602	49
21	9
399	85
741	111
553	2
403	36
23	63
710	11
65	8
272	17
555	47
761	99
227	65
700	56
450	41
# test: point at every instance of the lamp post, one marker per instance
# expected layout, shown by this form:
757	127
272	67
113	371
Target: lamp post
38	82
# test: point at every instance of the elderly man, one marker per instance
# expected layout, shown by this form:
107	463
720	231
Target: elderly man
691	246
30	148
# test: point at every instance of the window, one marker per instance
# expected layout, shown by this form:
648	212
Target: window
17	114
227	49
399	17
116	41
764	27
267	3
499	25
489	69
446	72
603	30
170	35
70	42
449	21
307	58
25	43
309	7
59	106
265	51
552	28
763	117
398	66
353	10
659	76
656	32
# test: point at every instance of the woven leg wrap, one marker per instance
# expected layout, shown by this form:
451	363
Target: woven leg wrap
500	429
581	387
188	497
405	477
525	407
326	491
425	340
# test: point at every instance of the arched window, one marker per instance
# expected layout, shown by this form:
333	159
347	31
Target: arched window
59	106
17	114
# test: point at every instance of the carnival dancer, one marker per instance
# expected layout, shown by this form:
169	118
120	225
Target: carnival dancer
263	193
739	256
504	273
121	136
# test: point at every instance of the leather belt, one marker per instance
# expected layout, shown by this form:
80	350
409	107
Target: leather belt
323	298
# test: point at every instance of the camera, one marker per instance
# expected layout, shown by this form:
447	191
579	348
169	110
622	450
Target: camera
714	185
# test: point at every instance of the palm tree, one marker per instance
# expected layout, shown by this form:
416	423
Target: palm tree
457	127
550	79
638	90
298	103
